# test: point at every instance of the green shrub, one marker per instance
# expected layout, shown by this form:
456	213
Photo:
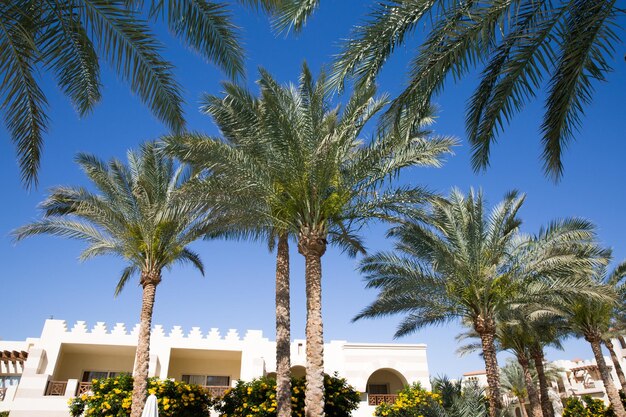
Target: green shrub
412	401
257	398
112	398
4	414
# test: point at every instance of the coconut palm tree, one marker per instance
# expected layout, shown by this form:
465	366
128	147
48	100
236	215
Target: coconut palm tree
460	262
521	47
315	179
69	38
135	214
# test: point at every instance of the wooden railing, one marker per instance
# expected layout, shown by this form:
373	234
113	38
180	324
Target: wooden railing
3	392
56	388
216	391
83	388
377	399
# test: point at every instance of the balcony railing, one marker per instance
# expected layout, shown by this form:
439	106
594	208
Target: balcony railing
83	388
56	388
3	392
377	399
216	391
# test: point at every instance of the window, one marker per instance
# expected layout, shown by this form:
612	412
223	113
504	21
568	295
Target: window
378	389
207	380
88	376
7	381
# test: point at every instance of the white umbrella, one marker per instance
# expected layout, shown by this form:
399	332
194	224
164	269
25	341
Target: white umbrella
151	409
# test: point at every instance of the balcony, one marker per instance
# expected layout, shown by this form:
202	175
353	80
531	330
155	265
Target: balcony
83	388
377	399
214	391
56	388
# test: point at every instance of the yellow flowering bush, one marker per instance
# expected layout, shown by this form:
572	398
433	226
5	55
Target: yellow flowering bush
412	401
112	397
588	407
257	398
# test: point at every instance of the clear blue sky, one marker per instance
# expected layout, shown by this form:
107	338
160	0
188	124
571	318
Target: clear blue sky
42	277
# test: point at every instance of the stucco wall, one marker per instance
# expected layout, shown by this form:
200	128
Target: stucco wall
72	364
194	362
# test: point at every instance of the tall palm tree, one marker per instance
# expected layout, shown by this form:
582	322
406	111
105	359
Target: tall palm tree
460	262
68	38
591	319
324	181
513	335
522	48
618	321
545	331
135	215
239	186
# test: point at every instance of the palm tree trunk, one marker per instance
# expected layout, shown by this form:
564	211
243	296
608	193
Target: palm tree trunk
312	246
618	366
149	282
521	405
538	358
611	391
487	330
533	395
283	329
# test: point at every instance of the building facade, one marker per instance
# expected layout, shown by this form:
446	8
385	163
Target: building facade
39	375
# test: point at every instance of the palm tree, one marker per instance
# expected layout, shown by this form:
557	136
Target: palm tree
545	331
459	262
513	334
514	381
449	390
324	182
618	321
68	38
237	164
136	215
523	48
591	319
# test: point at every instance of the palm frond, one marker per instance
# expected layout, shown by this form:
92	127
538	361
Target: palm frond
206	27
126	41
23	100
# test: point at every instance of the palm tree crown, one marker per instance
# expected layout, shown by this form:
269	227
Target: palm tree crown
299	165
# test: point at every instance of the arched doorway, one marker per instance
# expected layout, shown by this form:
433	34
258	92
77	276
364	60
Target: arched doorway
383	386
298	371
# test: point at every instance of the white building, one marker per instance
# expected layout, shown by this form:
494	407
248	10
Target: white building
39	375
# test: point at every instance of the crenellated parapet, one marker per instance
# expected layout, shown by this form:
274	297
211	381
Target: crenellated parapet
80	328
